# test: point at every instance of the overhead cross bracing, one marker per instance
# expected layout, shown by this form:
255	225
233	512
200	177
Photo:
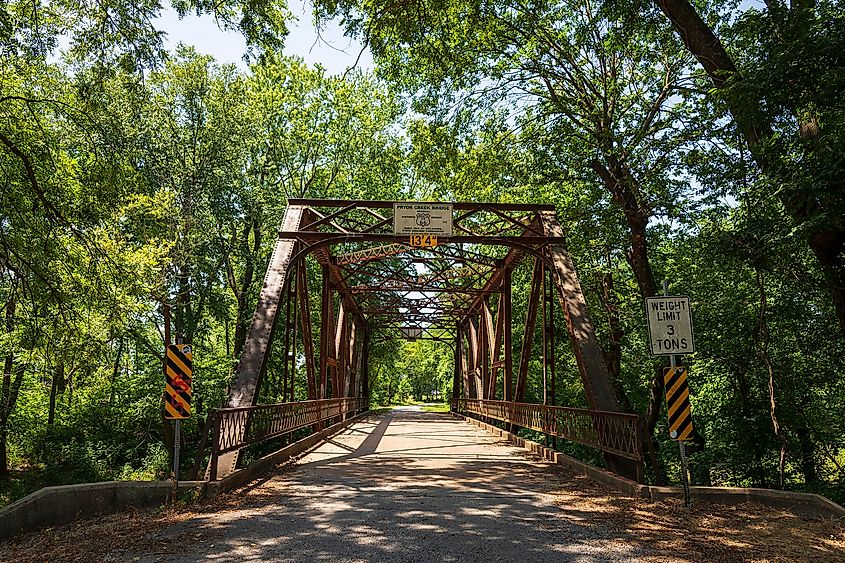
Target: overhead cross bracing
394	285
376	286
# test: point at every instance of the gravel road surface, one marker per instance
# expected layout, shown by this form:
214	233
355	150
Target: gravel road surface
411	486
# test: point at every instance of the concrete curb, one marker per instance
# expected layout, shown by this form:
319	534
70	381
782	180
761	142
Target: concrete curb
51	506
263	465
806	505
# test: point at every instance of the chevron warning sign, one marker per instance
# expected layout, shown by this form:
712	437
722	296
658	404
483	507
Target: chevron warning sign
177	388
677	403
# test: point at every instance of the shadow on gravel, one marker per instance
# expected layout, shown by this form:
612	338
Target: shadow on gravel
409	486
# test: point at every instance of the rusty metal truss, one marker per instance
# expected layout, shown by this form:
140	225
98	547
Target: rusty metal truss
375	286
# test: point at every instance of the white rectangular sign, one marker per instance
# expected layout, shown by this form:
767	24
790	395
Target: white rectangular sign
411	332
669	325
422	218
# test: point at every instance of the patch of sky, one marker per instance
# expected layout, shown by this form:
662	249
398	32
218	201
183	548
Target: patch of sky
325	46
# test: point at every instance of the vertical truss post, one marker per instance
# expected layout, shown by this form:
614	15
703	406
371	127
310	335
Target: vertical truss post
365	364
352	359
307	333
552	352
292	352
339	348
549	422
507	340
456	377
473	356
256	350
497	348
545	314
289	339
465	361
528	335
326	331
486	337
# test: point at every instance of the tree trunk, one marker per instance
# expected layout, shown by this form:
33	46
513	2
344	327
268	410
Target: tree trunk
808	460
242	289
613	350
58	383
12	380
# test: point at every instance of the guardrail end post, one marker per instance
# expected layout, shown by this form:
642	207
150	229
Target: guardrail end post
215	447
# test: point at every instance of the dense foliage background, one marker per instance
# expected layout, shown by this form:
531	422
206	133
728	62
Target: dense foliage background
137	181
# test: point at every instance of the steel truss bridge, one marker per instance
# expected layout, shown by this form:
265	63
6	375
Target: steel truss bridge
375	286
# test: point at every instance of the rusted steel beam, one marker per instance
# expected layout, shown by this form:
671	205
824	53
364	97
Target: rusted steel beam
546	310
336	351
253	361
359	289
485	327
320	236
465	355
528	335
307	332
498	336
369	254
365	363
456	375
326	330
384	204
552	346
290	352
343	355
594	373
595	376
507	341
354	358
473	357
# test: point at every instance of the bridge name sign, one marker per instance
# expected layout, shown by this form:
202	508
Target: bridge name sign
669	325
422	219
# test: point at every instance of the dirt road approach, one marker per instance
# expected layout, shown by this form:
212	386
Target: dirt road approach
413	486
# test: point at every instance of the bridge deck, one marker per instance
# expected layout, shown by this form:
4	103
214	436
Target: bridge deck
414	486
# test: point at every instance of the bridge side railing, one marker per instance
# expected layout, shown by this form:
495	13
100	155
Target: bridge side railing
265	422
612	432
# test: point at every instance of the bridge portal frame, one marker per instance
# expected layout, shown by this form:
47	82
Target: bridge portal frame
482	339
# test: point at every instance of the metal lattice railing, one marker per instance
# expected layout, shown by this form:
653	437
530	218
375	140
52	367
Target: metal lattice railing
612	432
236	428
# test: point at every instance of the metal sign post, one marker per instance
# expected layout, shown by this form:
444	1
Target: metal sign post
176	439
178	391
670	332
681	446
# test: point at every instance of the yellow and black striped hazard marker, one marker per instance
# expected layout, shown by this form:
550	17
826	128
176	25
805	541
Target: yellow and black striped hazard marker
177	389
677	403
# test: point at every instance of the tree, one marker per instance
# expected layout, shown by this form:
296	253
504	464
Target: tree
787	112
